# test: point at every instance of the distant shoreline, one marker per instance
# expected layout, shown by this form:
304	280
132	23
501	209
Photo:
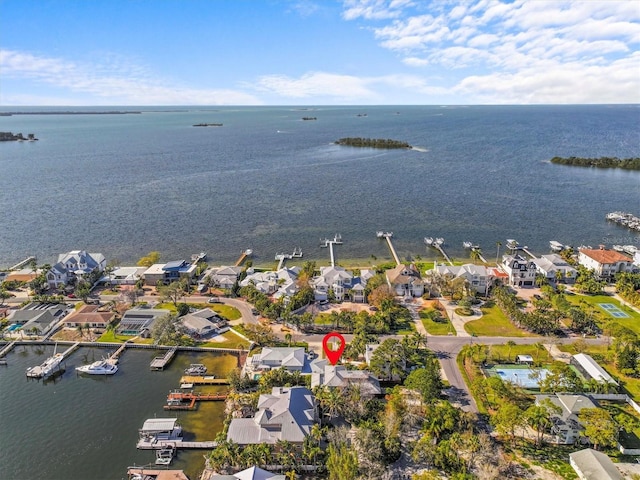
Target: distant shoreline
71	112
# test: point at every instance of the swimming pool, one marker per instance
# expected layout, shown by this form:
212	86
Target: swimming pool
523	377
13	327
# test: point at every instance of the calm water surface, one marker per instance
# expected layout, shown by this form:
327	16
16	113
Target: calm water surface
127	184
87	426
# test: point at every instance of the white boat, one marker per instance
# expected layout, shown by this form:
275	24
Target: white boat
248	252
101	367
428	240
196	369
512	244
46	368
467	244
630	249
618	248
556	246
439	241
164	456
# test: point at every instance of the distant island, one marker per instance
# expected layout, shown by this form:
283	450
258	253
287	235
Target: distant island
208	125
69	112
602	162
372	142
10	137
309	118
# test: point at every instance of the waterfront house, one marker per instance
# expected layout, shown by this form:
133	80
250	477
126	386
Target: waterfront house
89	315
286	414
405	281
566	428
224	277
337	376
589	464
138	321
75	265
289	358
332	279
124	276
203	323
476	276
169	272
282	283
555	268
605	263
38	317
251	473
522	272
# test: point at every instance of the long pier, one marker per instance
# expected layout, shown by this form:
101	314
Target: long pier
387	236
203	380
7	348
527	251
160	444
282	257
243	256
438	245
23	262
160	362
337	240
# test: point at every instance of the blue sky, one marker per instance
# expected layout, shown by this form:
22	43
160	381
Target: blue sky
318	52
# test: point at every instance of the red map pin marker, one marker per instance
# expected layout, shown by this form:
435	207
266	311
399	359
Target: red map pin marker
332	351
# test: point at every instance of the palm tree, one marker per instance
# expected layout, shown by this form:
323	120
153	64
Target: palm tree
498	245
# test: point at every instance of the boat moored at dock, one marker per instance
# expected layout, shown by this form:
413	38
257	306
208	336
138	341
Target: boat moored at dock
100	367
556	246
195	369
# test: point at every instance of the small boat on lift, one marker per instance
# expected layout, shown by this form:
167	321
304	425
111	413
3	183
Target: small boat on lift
428	240
196	369
556	246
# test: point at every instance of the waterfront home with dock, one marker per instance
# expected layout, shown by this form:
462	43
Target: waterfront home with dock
38	317
522	272
405	281
555	268
286	414
75	265
203	323
605	263
89	315
478	276
289	358
169	272
138	321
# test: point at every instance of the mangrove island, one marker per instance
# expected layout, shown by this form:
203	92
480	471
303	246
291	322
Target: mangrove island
602	162
372	142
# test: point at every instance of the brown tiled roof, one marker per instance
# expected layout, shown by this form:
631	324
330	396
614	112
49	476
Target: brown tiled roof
89	314
605	256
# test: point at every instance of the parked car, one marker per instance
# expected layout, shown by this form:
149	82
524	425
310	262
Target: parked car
214	300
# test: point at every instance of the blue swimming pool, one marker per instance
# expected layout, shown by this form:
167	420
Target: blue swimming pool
13	327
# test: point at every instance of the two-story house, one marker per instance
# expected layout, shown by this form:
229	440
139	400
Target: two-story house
555	268
74	265
169	272
522	272
331	279
477	276
605	263
405	281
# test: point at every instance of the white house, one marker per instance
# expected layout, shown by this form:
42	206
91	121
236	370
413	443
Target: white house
478	276
289	358
203	323
337	376
73	265
605	263
566	428
522	272
225	277
124	276
550	265
169	272
589	464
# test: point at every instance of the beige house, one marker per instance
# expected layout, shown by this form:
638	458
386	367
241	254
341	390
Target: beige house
405	281
605	263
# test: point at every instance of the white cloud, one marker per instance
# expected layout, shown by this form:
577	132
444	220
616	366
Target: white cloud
374	9
316	84
113	80
560	51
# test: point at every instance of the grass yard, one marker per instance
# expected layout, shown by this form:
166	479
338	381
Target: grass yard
442	326
494	324
227	340
508	353
603	318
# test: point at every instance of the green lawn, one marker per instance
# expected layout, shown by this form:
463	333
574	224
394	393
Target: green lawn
603	318
506	353
231	340
436	328
494	324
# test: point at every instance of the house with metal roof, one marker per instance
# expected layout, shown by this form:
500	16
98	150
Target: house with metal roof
270	358
169	272
590	369
225	276
287	414
589	464
478	276
337	376
203	323
554	267
38	317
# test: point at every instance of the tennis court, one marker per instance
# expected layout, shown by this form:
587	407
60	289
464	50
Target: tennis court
529	378
613	310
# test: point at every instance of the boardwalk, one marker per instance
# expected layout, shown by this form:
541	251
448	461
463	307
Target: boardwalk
337	240
24	262
177	444
203	380
243	256
187	401
160	362
7	349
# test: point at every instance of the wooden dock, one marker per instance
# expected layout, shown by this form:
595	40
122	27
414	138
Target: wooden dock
115	356
162	361
187	401
337	240
243	256
203	380
7	349
24	262
177	444
438	245
387	236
